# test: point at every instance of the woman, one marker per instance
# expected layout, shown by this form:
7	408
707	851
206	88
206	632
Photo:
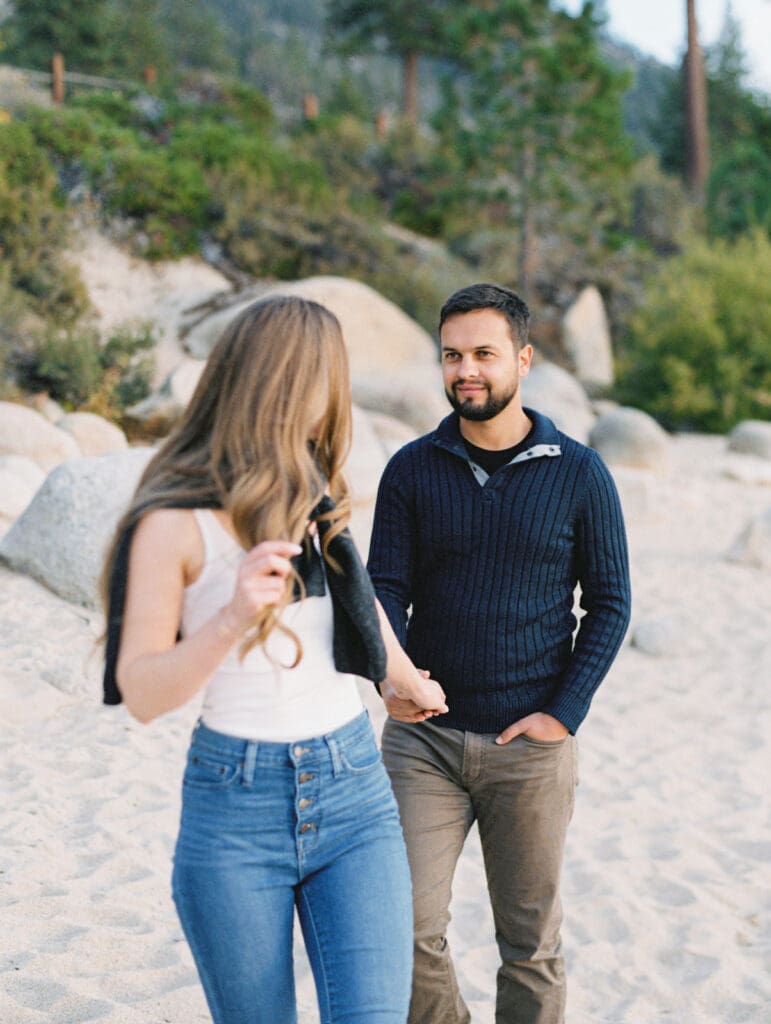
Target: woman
233	574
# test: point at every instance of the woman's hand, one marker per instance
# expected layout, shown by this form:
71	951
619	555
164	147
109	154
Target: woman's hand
261	582
422	691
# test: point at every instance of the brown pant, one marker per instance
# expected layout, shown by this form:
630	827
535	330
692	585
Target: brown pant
521	795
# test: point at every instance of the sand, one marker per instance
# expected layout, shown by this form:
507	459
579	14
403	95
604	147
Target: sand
667	881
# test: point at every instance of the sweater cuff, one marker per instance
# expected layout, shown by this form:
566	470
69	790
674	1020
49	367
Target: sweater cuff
568	709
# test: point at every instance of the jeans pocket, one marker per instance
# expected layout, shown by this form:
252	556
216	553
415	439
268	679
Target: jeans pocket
546	744
361	756
207	771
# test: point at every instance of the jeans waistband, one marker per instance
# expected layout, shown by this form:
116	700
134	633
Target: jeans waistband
268	751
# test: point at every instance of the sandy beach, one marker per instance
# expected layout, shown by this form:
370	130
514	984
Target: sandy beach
667	880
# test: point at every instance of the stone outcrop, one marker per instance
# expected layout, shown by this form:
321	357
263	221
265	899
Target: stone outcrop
665	636
392	433
753	546
378	335
557	394
61	537
126	290
94	434
630	437
158	413
415	397
25	432
751	437
586	340
20	477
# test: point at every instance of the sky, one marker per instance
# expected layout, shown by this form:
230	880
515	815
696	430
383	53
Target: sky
657	27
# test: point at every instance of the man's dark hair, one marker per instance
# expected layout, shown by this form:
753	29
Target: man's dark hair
490	296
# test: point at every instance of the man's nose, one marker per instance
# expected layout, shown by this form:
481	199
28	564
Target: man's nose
468	367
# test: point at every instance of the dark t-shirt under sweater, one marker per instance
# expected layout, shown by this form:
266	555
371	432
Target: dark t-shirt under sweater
492	459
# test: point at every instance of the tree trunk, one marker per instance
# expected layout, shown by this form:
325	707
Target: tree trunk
696	110
528	235
410	72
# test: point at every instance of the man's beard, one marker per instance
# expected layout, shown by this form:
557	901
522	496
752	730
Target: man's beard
488	410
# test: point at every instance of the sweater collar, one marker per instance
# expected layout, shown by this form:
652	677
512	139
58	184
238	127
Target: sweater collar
544	440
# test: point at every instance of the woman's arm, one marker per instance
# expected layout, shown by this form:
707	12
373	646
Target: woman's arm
409	693
155	672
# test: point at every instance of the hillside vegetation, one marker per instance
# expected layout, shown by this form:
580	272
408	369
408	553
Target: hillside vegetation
526	165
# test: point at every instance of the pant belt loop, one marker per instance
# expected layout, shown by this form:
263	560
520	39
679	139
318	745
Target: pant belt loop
334	750
250	760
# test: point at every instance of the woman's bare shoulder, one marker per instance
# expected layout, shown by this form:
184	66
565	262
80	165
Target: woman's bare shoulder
170	534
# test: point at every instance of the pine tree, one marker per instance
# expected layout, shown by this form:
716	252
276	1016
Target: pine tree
137	38
407	28
76	28
543	112
738	194
696	109
739	121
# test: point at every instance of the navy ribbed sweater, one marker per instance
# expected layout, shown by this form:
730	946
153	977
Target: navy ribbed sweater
489	567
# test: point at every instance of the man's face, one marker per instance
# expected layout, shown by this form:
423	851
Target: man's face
481	364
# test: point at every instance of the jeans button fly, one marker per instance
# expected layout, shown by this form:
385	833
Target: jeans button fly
306	777
307	828
305	802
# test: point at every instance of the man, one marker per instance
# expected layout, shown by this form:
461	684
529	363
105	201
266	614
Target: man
483	529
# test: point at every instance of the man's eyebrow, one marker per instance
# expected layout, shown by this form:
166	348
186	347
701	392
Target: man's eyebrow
476	348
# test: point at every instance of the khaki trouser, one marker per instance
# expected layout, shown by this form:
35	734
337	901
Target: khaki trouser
521	795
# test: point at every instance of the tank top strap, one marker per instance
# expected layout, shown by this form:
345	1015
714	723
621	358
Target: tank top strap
216	539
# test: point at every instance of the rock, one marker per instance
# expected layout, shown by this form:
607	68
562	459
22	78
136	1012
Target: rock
633	486
601	406
557	394
47	407
95	435
378	335
748	469
751	437
158	413
392	433
366	460
753	546
25	432
630	437
20	477
586	340
414	396
664	636
124	289
61	537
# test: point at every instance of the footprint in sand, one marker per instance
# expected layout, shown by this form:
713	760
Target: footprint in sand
671	893
61	939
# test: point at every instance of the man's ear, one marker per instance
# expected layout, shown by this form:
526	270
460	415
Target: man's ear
524	358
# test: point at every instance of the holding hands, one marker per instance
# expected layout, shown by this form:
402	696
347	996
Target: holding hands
415	701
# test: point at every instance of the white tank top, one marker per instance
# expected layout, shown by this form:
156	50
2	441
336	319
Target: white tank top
257	698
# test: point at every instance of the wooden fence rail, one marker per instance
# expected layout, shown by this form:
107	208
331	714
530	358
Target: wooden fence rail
58	78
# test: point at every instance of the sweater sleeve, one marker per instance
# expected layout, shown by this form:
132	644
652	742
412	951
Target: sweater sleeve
392	547
603	573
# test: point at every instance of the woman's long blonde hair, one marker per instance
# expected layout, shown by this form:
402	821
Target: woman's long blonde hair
265	434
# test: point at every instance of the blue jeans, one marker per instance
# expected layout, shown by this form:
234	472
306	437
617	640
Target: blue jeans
267	827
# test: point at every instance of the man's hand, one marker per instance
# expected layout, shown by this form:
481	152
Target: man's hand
538	726
401	708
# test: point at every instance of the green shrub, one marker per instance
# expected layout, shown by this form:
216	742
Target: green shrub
698	353
738	194
76	369
34	227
